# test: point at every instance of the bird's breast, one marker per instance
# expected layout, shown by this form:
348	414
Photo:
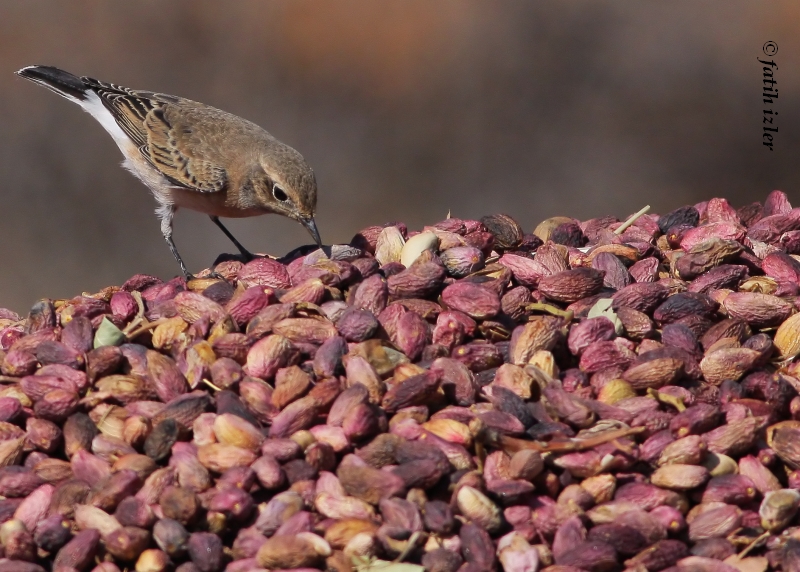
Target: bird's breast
216	204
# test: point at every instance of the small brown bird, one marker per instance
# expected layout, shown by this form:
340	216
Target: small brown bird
194	156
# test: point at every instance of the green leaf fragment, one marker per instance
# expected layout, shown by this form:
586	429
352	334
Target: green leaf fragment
108	334
603	308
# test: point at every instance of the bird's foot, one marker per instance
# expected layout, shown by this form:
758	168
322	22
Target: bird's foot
213	275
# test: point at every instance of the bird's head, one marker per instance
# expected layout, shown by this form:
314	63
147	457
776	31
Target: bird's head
281	182
284	184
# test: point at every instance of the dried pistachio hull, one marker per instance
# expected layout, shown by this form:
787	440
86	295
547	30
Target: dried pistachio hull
587	396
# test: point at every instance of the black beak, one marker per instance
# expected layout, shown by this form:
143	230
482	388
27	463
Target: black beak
311	226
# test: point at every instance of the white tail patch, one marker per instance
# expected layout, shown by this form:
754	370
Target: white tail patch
133	162
94	107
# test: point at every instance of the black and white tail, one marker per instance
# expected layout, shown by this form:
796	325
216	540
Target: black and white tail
63	83
80	91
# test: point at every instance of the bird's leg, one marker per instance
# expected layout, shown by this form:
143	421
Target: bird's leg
246	253
166	213
186	274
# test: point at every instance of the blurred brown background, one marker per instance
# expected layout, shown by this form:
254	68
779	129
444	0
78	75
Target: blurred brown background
404	108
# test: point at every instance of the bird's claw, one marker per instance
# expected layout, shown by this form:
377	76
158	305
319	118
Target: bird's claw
213	275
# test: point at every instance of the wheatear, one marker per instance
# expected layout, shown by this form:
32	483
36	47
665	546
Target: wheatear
194	156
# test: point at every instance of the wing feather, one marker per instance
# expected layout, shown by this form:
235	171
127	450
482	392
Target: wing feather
128	109
144	117
176	160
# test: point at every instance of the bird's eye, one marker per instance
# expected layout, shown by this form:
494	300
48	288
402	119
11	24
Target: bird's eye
279	194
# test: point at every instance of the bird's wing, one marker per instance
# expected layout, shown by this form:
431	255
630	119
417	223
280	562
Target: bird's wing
163	139
173	150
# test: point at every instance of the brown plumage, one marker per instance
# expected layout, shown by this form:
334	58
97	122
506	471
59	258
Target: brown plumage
194	156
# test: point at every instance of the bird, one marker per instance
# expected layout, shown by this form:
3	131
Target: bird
191	155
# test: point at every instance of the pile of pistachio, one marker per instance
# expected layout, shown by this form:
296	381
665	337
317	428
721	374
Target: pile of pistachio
599	395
